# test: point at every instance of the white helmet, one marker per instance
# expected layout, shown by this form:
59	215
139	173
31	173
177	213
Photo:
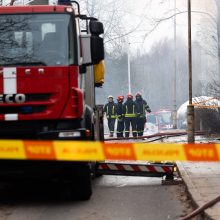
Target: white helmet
110	96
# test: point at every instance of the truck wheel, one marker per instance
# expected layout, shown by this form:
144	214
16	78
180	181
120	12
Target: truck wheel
83	186
101	132
80	187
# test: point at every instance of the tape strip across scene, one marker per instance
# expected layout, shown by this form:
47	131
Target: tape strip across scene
99	151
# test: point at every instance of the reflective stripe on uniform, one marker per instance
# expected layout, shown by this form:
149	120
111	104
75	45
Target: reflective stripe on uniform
130	115
113	115
144	107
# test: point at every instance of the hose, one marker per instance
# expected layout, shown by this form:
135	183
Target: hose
202	208
167	134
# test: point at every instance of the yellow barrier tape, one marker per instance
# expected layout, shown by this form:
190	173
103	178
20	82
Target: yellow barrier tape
98	151
83	151
12	150
160	151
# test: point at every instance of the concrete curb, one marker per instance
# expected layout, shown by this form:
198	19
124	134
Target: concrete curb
192	191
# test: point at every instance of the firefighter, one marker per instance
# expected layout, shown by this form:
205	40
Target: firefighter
129	111
142	107
120	116
110	109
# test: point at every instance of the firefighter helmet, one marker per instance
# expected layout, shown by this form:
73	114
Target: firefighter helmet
129	96
110	96
120	98
138	94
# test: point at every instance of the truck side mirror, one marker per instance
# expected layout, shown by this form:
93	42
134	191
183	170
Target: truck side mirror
92	45
97	44
96	27
97	49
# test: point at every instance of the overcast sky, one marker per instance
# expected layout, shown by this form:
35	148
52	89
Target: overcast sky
160	9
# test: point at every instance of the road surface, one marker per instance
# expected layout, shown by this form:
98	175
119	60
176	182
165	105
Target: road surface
114	198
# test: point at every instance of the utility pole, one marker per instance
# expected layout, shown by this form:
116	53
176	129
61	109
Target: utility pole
190	107
129	70
174	77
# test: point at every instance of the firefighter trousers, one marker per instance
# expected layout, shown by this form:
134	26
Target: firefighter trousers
111	125
130	121
120	128
140	126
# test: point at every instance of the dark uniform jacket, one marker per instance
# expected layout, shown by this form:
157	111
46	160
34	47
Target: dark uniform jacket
111	110
142	107
129	109
120	110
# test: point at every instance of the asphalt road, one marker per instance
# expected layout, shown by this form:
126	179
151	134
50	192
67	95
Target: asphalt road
114	198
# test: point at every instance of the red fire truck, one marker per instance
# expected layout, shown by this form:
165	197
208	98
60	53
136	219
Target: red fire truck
159	120
51	59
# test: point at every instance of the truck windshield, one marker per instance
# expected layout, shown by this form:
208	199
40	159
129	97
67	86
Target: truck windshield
165	117
37	39
152	119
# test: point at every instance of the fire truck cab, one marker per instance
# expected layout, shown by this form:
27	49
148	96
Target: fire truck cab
47	83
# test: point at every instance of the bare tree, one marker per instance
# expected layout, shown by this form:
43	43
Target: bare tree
110	12
119	20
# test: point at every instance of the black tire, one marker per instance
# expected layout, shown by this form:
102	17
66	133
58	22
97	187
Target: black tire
101	132
83	186
80	186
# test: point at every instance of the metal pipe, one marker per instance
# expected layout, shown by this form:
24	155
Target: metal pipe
190	52
174	78
129	70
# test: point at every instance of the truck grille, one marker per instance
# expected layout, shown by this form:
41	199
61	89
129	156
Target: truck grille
38	105
37	97
21	109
